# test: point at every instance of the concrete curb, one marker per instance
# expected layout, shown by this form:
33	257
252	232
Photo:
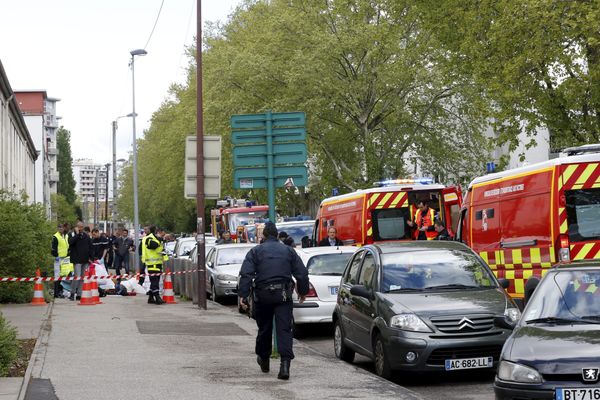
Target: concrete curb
33	357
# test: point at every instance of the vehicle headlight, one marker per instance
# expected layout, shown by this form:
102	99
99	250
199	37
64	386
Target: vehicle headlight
508	371
409	322
225	277
512	314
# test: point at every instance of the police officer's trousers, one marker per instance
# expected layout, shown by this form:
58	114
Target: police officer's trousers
155	280
283	327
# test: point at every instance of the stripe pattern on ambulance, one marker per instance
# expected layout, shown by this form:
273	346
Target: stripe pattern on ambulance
518	265
379	201
580	176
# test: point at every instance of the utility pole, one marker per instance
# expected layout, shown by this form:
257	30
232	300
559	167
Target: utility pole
114	176
96	172
200	163
106	199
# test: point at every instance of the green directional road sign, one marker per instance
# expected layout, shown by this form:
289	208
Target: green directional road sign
260	135
269	150
257	178
255	155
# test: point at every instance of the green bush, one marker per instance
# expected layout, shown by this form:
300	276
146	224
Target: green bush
8	345
24	245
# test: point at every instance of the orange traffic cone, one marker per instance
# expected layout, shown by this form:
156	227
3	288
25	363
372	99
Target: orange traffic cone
86	293
95	292
38	290
168	294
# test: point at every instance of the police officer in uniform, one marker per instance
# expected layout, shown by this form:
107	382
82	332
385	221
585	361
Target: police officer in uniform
271	266
152	257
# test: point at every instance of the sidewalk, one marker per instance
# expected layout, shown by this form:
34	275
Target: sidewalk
128	349
28	320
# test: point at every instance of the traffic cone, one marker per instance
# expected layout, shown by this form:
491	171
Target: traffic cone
168	294
86	293
38	290
95	292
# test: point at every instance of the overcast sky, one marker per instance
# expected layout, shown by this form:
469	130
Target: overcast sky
78	51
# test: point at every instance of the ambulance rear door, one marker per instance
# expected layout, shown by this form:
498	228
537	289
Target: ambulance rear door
451	204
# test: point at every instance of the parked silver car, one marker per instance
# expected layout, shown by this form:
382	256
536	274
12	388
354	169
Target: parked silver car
223	263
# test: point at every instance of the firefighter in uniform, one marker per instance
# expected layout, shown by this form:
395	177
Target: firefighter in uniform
424	222
268	270
152	257
60	250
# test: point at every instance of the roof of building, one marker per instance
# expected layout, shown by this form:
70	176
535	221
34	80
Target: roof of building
9	94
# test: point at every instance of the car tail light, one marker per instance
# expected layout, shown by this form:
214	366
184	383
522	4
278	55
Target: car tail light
564	253
311	291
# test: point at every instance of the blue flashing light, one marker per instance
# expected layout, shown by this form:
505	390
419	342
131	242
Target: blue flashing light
411	181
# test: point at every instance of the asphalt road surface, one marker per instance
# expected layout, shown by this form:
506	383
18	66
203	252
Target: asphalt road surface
459	386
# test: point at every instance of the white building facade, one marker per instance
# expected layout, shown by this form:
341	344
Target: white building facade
17	150
90	186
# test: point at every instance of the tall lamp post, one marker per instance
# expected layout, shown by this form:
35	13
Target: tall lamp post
106	199
114	174
136	222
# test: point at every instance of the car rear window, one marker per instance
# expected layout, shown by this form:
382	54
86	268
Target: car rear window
583	214
328	264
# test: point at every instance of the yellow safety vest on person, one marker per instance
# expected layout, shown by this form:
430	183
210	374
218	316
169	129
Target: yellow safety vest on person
63	245
152	257
425	221
66	267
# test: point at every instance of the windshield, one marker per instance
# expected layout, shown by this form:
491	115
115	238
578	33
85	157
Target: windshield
328	264
583	212
247	218
566	294
185	247
234	255
434	270
297	232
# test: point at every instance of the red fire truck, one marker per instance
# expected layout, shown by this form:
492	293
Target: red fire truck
233	214
381	213
524	220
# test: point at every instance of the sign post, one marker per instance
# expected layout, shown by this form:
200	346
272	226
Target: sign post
269	151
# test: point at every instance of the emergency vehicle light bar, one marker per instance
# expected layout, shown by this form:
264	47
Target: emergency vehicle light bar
422	181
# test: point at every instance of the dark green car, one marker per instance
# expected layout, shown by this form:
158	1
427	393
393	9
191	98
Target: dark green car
421	306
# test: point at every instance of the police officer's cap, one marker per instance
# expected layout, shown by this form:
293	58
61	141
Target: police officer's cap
270	230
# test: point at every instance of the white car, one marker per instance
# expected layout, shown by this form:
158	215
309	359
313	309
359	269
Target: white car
325	268
223	264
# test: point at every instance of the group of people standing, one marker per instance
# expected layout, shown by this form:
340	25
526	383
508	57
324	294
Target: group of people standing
75	249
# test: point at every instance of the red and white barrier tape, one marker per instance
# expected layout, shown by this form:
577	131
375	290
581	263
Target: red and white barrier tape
93	277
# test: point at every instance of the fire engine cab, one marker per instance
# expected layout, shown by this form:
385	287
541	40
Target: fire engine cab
237	216
381	213
524	220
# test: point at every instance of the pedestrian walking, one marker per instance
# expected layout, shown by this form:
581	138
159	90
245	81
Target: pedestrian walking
152	255
81	252
60	251
266	274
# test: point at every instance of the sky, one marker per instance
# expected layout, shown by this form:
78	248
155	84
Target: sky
78	51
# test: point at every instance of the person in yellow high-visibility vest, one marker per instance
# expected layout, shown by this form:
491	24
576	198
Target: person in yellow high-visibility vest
152	257
60	250
423	223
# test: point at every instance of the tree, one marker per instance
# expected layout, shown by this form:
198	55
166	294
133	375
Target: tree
537	62
64	165
62	210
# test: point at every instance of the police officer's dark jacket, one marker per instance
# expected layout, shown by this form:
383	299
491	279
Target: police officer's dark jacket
270	262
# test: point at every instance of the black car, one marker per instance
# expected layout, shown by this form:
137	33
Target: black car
421	306
554	352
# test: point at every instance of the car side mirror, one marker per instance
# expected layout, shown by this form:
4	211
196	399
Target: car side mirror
504	283
504	323
361	291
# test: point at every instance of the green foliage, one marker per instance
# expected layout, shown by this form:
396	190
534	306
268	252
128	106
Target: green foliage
62	210
64	162
536	61
8	345
24	244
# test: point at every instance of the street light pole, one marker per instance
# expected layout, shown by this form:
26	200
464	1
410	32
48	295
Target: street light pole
106	200
136	222
114	175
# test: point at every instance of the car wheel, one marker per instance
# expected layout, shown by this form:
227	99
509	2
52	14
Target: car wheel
382	364
213	291
341	350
